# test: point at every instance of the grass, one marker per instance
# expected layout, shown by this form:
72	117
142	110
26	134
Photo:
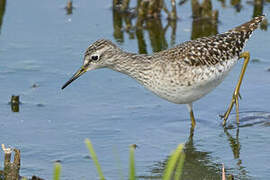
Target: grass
132	175
94	157
57	171
174	164
173	168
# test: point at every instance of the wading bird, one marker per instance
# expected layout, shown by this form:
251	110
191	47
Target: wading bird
182	74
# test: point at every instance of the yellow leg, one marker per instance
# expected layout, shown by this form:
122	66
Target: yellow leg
193	122
236	95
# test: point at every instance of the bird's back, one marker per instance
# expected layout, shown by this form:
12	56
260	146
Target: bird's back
214	49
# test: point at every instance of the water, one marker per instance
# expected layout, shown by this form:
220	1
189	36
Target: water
41	45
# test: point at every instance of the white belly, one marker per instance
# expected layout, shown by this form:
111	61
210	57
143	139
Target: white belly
190	88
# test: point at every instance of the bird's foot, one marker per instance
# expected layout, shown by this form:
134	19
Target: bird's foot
235	101
236	94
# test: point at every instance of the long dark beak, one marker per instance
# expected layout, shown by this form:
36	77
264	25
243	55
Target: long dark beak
80	72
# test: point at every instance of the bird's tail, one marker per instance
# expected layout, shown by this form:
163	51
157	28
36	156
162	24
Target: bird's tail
249	26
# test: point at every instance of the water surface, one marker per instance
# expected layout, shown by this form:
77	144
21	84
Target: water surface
41	45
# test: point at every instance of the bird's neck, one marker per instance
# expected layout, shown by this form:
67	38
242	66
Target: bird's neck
133	65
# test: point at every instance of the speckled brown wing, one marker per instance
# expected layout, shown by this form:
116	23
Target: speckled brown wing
214	49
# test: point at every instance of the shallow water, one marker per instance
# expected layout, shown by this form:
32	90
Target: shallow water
41	45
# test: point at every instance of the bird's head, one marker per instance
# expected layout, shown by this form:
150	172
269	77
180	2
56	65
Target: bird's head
100	54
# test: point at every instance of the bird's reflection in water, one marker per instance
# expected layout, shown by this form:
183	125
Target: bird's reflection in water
197	165
200	165
235	146
248	119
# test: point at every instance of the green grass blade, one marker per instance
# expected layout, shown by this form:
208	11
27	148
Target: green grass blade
179	168
118	164
169	169
57	171
94	157
132	163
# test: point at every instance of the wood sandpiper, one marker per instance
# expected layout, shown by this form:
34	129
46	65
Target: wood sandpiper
182	74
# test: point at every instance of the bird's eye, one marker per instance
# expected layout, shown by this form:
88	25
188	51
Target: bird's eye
94	57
